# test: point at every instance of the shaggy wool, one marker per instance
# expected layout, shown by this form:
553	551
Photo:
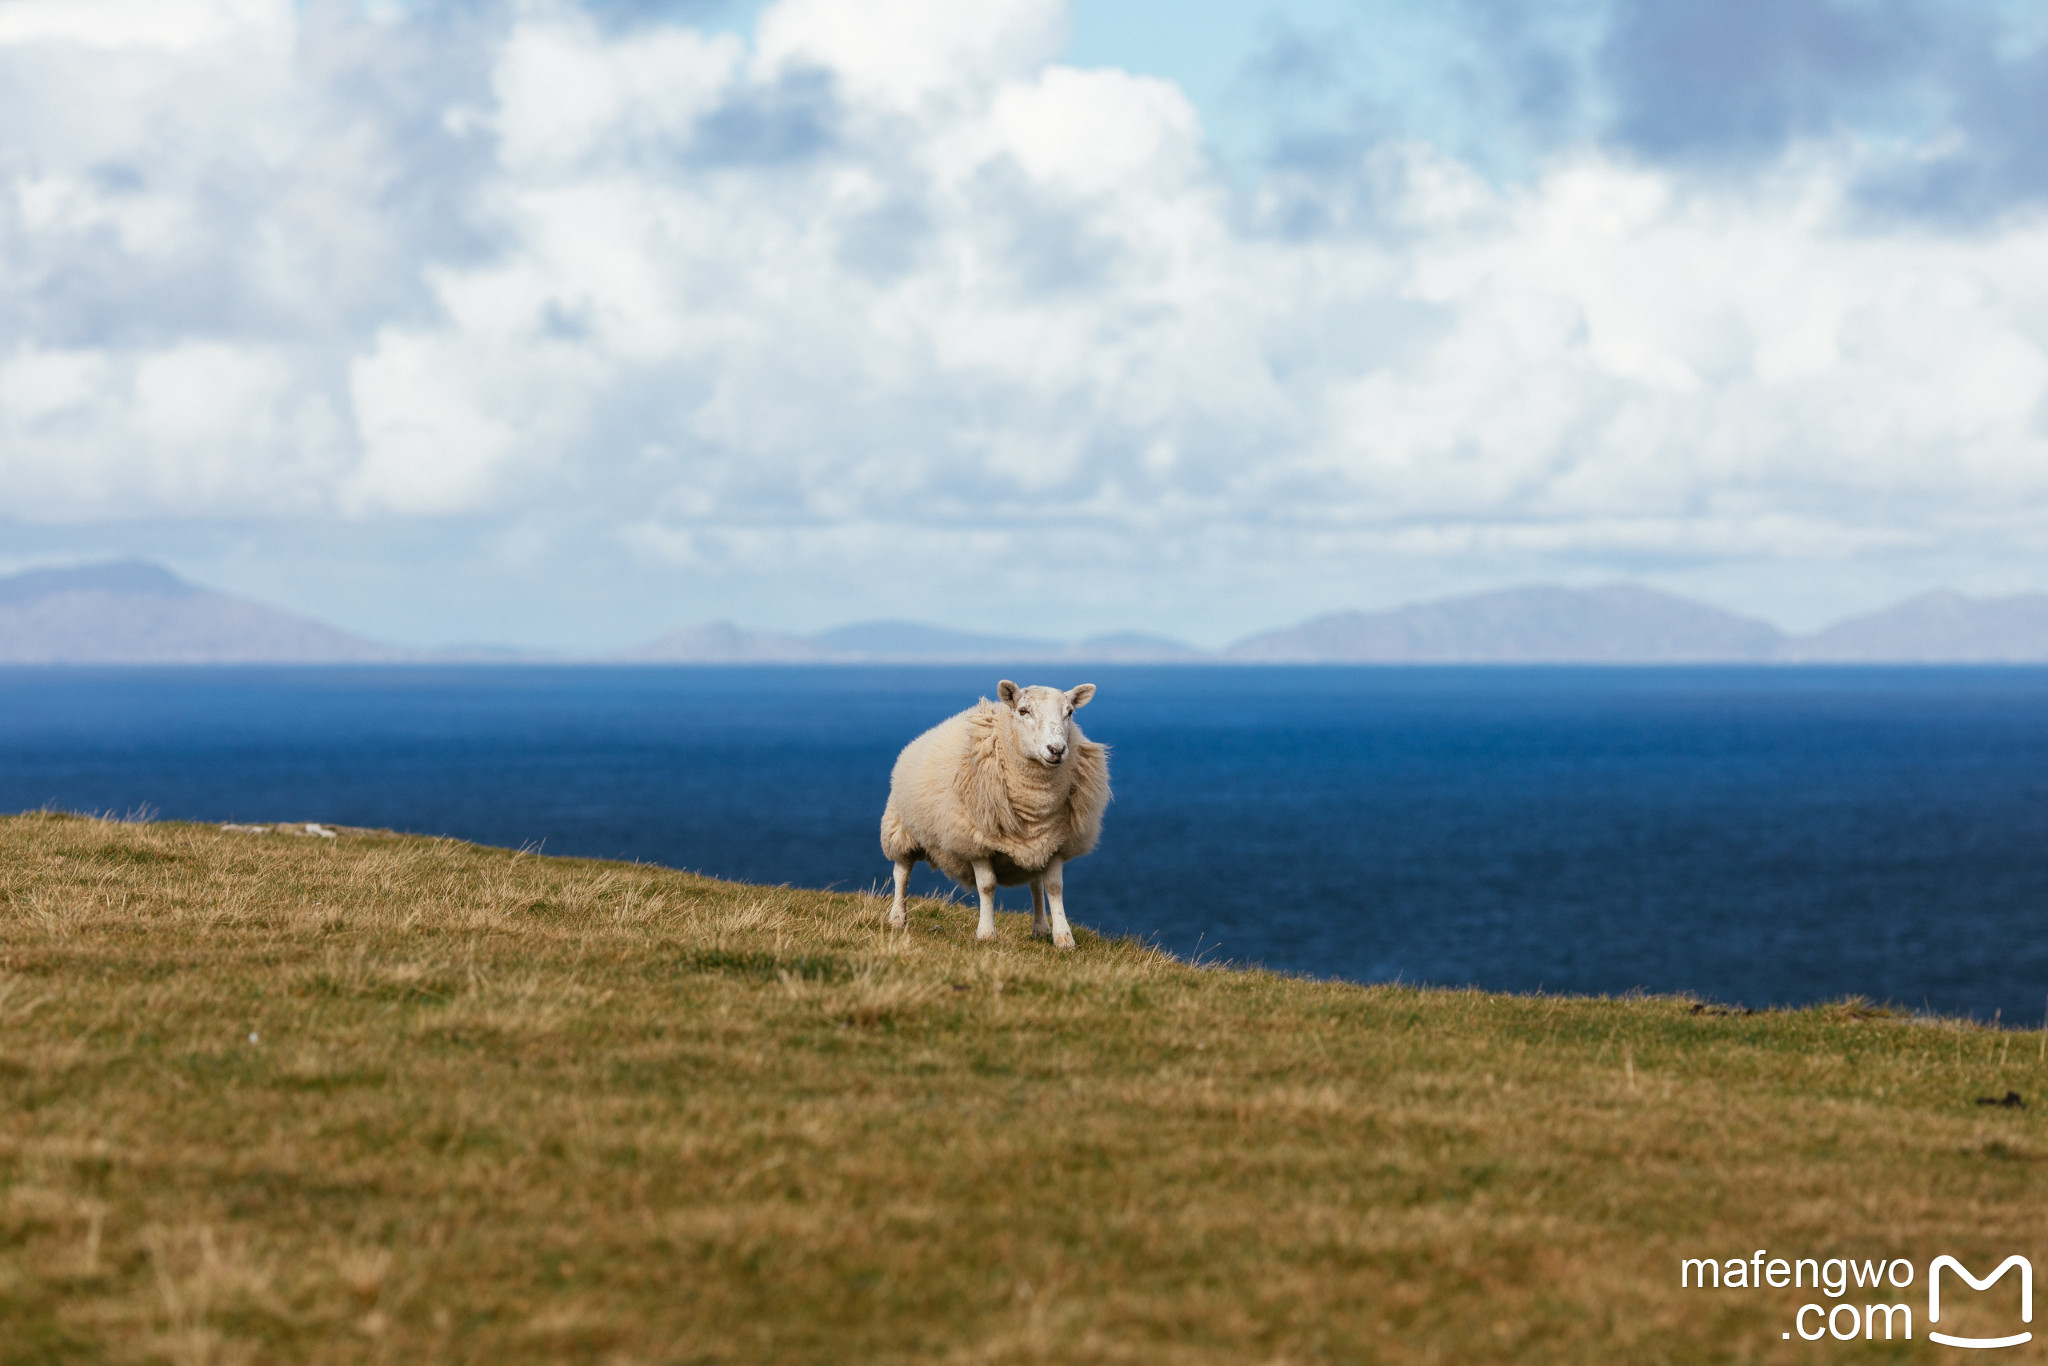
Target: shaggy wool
964	790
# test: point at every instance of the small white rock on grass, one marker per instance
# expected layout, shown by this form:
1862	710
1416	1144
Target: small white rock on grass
309	828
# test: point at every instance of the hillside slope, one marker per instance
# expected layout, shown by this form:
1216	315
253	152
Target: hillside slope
273	1096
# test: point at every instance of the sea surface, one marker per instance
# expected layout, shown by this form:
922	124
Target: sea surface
1757	836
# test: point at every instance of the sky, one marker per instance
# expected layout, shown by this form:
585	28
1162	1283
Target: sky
566	324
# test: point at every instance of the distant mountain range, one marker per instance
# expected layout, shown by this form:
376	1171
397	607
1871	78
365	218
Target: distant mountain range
1622	624
1935	628
1628	624
130	612
887	642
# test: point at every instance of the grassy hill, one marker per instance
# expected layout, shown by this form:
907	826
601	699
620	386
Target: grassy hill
275	1097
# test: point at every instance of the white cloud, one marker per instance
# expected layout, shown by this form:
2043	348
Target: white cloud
38	383
897	278
431	442
1098	132
204	394
571	102
901	52
171	24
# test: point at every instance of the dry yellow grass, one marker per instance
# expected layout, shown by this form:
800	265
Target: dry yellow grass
276	1098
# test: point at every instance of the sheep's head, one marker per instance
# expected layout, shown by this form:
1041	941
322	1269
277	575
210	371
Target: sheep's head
1044	718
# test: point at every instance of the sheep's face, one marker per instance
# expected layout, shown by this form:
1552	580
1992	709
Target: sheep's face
1044	718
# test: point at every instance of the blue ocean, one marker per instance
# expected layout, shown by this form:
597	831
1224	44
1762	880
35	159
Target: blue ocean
1755	836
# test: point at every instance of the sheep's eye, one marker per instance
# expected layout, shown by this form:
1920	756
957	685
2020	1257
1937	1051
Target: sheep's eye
1023	711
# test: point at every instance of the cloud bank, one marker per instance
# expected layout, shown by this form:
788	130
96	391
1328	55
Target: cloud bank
884	309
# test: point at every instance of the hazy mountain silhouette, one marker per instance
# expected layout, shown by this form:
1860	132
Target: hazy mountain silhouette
131	612
1619	624
1936	628
915	640
901	642
721	642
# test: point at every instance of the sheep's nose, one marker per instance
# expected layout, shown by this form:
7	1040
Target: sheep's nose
1056	748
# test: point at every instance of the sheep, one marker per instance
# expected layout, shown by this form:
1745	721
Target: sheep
1006	792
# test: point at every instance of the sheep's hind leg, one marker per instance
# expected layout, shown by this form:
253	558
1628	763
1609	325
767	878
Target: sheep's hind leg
985	883
1040	926
899	916
1055	893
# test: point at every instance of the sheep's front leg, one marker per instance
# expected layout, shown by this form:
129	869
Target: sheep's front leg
899	915
1055	893
985	883
1040	926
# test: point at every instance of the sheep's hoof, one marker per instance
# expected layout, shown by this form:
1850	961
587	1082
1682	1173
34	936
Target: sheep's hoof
984	936
1063	941
899	922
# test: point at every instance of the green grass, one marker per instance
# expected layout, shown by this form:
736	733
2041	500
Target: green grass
502	1108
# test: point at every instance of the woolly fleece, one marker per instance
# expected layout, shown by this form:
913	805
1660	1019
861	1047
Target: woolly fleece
965	790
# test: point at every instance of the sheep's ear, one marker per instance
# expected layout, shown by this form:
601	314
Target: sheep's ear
1080	696
1007	691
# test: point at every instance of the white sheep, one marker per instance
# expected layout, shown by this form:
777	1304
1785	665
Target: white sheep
1006	792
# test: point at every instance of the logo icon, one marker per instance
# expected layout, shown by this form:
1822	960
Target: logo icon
2026	1299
